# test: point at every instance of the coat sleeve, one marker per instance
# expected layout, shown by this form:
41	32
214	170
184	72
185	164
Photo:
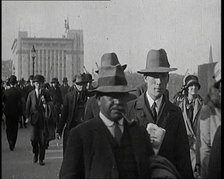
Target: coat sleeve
73	162
182	149
64	117
28	106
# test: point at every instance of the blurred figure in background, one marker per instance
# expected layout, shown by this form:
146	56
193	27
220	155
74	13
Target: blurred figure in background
210	120
12	111
64	88
55	93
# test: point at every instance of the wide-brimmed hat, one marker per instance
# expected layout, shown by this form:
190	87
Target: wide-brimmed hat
157	62
65	79
54	80
38	78
191	79
112	80
110	59
12	80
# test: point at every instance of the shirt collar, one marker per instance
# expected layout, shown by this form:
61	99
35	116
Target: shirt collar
108	122
151	101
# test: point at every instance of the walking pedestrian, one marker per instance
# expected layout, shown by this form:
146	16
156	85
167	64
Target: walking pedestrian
55	93
73	109
64	88
191	104
162	119
35	111
12	111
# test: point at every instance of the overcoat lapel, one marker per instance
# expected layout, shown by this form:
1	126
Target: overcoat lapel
187	121
145	113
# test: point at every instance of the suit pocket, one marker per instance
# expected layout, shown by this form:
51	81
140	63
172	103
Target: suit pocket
34	118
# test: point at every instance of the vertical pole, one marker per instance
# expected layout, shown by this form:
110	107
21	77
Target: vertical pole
33	65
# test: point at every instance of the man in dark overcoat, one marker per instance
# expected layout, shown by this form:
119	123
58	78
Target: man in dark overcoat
12	111
73	109
35	111
108	146
64	88
153	107
55	93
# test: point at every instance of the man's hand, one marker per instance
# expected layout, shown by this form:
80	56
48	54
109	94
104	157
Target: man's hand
58	136
27	120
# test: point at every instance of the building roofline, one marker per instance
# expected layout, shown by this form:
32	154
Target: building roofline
45	38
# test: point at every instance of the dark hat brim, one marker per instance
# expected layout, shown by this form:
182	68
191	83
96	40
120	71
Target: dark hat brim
157	70
113	89
123	66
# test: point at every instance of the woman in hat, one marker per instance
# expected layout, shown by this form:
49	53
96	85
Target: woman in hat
191	104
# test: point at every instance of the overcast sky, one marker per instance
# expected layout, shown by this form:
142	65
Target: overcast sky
130	28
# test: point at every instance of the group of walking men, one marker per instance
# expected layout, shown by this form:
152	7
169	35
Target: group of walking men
114	131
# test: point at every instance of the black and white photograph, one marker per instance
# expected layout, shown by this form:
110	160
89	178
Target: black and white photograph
111	89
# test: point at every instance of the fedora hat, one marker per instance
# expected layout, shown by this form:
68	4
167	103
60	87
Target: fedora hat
191	79
13	80
112	80
65	79
109	59
157	62
30	77
54	80
38	78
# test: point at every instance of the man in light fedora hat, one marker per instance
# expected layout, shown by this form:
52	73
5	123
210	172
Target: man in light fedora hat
153	110
108	146
107	59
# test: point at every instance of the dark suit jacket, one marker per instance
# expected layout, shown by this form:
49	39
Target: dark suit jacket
34	109
13	102
175	146
68	110
64	90
89	153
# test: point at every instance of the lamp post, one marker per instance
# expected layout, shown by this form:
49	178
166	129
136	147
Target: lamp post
33	55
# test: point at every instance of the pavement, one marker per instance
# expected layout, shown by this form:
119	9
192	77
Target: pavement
18	164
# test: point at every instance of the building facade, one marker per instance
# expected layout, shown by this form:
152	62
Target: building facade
54	57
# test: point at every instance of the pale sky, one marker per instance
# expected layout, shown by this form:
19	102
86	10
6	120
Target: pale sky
130	28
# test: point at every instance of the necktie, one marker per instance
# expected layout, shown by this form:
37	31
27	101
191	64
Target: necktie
117	132
154	113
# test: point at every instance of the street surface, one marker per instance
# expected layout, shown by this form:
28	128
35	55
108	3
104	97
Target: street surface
18	164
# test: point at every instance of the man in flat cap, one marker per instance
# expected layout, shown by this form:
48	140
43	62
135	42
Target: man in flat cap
35	112
108	146
73	109
163	120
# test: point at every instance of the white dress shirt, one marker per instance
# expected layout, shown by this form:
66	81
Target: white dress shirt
151	101
110	124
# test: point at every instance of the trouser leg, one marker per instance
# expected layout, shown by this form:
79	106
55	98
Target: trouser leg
11	130
42	143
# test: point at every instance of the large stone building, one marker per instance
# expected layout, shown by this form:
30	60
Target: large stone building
54	57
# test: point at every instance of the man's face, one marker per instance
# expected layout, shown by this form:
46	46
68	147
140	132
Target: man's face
54	84
79	87
38	85
156	84
112	105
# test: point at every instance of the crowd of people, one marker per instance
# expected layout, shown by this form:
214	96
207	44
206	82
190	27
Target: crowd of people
113	131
